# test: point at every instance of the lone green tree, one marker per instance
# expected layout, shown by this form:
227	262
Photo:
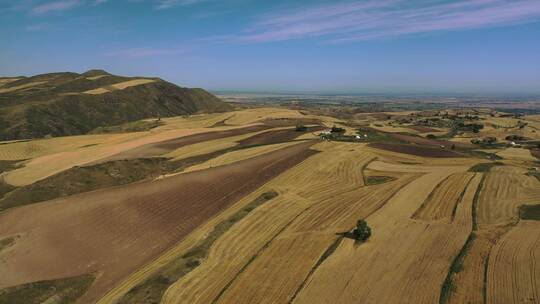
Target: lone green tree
362	231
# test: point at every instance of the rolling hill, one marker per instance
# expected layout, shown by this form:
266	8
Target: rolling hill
59	104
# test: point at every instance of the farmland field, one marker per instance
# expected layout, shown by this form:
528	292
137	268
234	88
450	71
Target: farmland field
262	205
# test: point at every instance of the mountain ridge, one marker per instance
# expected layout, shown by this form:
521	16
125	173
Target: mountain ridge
67	103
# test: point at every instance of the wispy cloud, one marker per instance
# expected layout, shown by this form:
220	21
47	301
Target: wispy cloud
365	20
165	4
54	6
145	52
37	27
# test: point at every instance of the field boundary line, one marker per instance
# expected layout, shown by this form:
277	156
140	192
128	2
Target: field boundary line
431	194
460	199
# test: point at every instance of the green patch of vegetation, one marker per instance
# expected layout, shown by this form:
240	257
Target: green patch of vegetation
6	242
483	154
5	188
373	135
376	180
529	212
337	130
61	291
151	291
457	264
362	232
456	267
473	127
484	167
300	128
7	165
488	143
135	126
534	174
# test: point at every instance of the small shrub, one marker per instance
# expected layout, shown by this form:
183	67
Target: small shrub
514	137
337	130
300	128
362	231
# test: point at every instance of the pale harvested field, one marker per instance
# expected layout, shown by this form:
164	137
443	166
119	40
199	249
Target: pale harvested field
513	271
442	202
468	283
119	86
96	77
4	81
505	189
115	231
394	129
21	87
168	146
404	261
501	121
194	121
250	116
23	150
240	244
517	154
242	118
335	213
244	141
231	157
47	165
533	117
270	264
294	248
302	244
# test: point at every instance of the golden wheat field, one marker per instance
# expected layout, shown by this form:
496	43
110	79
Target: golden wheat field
256	206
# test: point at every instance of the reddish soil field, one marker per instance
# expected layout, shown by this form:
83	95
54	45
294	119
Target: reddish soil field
276	136
114	231
429	142
422	129
415	150
163	147
379	116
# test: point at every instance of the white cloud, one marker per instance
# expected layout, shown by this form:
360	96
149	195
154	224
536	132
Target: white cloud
141	52
364	20
55	6
165	4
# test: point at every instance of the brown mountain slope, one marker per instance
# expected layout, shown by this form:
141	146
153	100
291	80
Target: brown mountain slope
60	104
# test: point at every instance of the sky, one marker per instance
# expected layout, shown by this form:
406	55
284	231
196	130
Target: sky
364	46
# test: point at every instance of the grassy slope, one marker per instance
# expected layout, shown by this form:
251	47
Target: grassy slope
59	291
83	179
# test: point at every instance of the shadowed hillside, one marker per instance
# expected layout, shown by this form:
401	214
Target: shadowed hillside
60	104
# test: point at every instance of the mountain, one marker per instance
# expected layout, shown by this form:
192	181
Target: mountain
59	104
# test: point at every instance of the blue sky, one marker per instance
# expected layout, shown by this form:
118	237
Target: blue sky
477	46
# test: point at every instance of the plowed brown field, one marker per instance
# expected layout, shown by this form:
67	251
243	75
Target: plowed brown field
416	150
